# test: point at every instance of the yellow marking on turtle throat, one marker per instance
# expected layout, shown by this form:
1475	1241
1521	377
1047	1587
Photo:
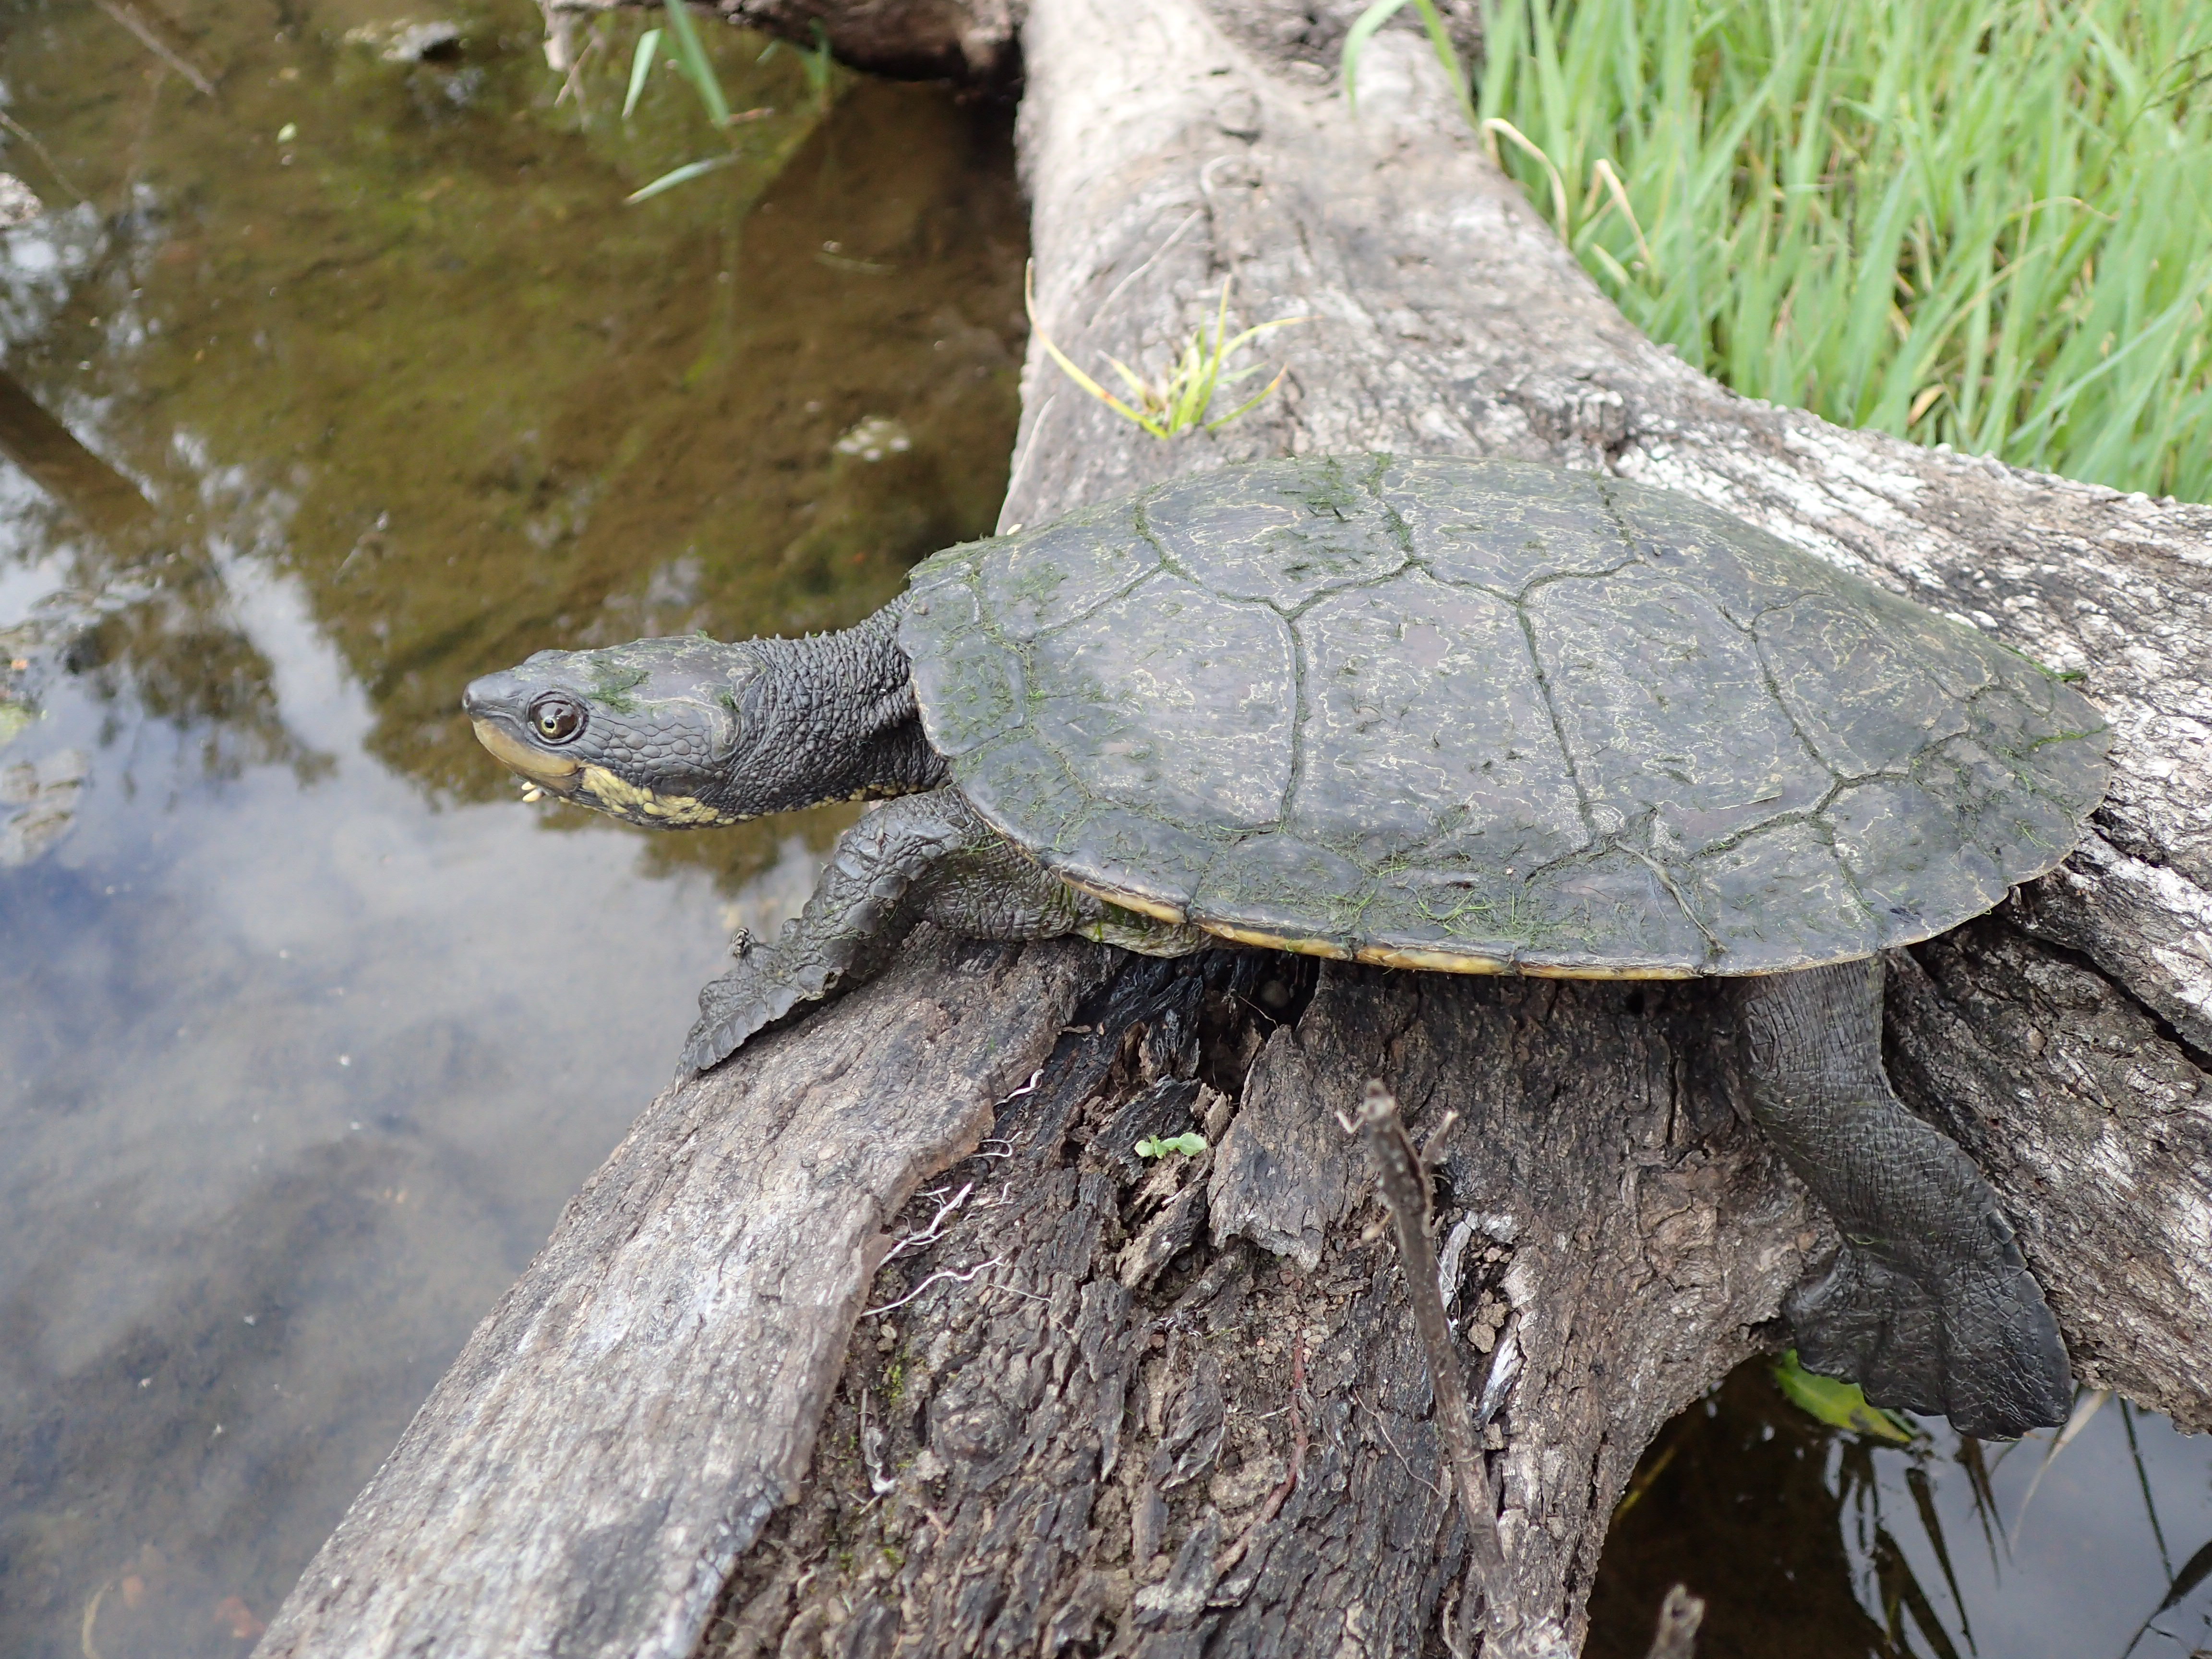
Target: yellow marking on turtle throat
619	796
556	772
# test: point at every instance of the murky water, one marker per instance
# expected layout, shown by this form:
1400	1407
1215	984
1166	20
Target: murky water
1820	1543
325	392
308	1026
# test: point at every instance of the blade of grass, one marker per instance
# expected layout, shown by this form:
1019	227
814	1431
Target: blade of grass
640	66
2084	1408
691	55
684	174
2194	1572
1067	367
1823	204
1355	43
2142	1479
1440	42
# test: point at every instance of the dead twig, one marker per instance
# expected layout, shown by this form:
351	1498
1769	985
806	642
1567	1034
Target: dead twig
1403	1185
159	35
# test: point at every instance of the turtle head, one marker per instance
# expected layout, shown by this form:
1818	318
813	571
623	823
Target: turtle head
647	731
676	733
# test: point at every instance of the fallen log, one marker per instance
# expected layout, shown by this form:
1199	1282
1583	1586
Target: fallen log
974	41
1161	1406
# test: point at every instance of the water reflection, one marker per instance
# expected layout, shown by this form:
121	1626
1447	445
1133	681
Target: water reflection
1820	1542
332	389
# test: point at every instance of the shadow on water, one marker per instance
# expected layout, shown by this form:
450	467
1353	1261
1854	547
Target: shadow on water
324	392
334	385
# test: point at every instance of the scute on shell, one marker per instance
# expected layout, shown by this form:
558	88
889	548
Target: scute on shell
1491	717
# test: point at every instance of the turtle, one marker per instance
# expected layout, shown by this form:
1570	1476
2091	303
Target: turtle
1452	716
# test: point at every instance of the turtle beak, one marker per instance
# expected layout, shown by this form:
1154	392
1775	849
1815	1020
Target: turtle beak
494	707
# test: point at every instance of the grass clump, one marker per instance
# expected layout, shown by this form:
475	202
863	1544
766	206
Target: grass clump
1180	398
1988	226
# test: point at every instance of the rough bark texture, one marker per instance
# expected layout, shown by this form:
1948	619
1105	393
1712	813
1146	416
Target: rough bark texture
1643	1233
1177	1406
975	41
611	1439
1067	1460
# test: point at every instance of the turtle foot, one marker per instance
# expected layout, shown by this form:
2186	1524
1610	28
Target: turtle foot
1980	1348
740	1005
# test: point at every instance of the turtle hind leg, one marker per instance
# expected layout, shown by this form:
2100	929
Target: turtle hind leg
1928	1304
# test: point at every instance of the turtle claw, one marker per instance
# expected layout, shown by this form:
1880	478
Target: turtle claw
765	983
1982	1349
737	1007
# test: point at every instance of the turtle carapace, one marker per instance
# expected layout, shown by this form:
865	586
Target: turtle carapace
1458	716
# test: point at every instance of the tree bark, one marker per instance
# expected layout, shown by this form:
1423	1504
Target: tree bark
974	41
1177	1406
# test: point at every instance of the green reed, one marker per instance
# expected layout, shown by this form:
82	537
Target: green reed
1988	225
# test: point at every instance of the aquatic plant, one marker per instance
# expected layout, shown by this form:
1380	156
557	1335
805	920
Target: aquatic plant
691	59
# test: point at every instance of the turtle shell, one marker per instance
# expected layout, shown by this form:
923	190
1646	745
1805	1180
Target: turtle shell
1483	717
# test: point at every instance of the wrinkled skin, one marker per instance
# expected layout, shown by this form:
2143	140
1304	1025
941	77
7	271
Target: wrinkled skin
677	733
1929	1286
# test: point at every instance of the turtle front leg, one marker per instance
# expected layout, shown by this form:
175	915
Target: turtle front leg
921	857
1928	1304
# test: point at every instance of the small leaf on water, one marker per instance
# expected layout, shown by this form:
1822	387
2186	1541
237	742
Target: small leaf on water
1190	1146
1839	1405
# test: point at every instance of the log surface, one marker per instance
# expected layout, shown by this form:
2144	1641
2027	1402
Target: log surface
1170	1406
2064	1041
613	1434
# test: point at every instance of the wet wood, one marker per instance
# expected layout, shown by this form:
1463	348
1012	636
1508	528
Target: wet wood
1169	1405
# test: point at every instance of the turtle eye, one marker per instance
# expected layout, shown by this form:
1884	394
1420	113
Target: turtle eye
556	719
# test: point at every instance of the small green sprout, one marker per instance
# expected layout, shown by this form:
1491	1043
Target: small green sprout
1190	1146
1180	400
1839	1405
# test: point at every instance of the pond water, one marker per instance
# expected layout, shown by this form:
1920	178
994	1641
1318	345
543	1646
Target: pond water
325	393
308	1026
